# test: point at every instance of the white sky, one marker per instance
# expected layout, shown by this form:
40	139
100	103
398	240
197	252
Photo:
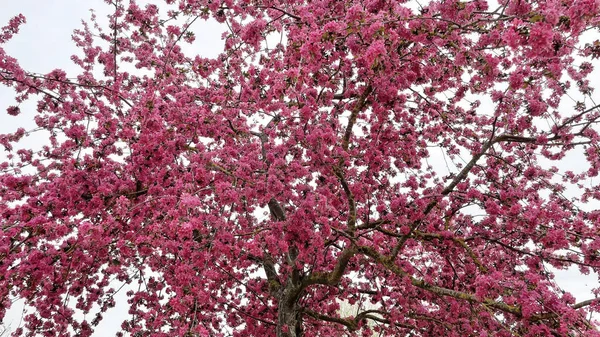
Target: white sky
44	44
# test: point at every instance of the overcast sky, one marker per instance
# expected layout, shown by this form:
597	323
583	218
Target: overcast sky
44	44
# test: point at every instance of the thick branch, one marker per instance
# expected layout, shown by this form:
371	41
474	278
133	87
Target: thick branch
465	171
339	171
462	243
391	266
351	203
584	303
489	303
332	278
229	305
362	102
460	177
349	323
269	266
373	224
352	323
542	257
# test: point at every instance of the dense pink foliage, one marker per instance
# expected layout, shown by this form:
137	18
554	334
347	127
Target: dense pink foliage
161	167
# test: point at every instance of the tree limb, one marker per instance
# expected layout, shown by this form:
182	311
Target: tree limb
391	266
460	177
332	278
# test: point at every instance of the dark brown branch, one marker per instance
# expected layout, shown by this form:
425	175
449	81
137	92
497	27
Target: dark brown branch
242	311
351	223
347	322
461	242
486	302
573	118
373	224
338	170
75	84
521	251
295	17
183	32
33	87
240	282
269	267
465	171
360	105
391	266
584	303
460	177
431	319
332	278
352	323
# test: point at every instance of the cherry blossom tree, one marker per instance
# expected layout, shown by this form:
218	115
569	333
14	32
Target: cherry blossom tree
409	156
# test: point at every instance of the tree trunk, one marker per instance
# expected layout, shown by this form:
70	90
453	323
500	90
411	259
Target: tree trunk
289	314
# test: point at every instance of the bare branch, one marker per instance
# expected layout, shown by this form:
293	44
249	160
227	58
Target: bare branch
391	266
351	223
360	105
585	303
295	17
347	322
447	190
269	267
332	278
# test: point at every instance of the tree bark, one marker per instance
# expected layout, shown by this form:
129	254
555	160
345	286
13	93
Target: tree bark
289	313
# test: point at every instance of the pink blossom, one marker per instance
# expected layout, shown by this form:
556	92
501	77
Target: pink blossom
408	159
